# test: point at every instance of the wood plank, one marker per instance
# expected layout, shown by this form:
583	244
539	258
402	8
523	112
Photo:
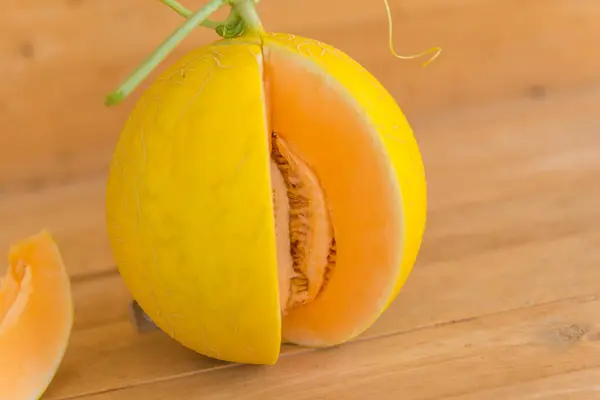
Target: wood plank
426	363
578	385
501	280
505	242
471	163
530	216
80	50
75	216
453	300
562	267
103	300
473	155
522	160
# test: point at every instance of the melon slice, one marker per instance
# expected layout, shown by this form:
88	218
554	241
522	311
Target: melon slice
36	317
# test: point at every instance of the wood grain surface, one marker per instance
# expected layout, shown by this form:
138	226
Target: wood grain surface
60	58
504	302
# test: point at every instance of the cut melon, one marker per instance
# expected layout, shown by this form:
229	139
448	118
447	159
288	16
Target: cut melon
265	188
36	317
347	127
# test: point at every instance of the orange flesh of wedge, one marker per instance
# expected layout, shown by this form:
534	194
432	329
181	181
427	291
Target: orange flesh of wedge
314	117
36	317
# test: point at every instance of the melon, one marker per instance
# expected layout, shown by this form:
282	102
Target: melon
36	317
266	188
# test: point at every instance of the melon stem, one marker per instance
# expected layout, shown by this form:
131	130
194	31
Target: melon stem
138	75
232	26
187	13
248	13
242	18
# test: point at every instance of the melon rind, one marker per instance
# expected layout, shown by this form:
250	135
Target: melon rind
189	205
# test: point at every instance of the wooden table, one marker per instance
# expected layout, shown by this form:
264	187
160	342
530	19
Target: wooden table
504	300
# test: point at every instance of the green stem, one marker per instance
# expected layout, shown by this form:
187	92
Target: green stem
178	8
161	52
232	26
247	11
187	13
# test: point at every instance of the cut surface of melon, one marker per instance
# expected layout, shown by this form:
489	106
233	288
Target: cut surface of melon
36	317
356	147
295	213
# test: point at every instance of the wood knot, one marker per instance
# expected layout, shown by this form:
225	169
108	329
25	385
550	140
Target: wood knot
538	92
570	334
27	50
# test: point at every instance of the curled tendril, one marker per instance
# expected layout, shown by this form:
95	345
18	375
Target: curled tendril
435	50
231	28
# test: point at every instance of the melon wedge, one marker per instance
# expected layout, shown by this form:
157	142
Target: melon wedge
265	189
350	131
36	317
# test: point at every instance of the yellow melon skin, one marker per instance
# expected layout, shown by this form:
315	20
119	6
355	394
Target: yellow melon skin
189	208
189	201
36	317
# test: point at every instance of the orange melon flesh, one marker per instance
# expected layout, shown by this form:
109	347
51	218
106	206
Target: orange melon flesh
36	317
322	124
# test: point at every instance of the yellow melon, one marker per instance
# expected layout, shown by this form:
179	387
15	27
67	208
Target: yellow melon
265	188
36	317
